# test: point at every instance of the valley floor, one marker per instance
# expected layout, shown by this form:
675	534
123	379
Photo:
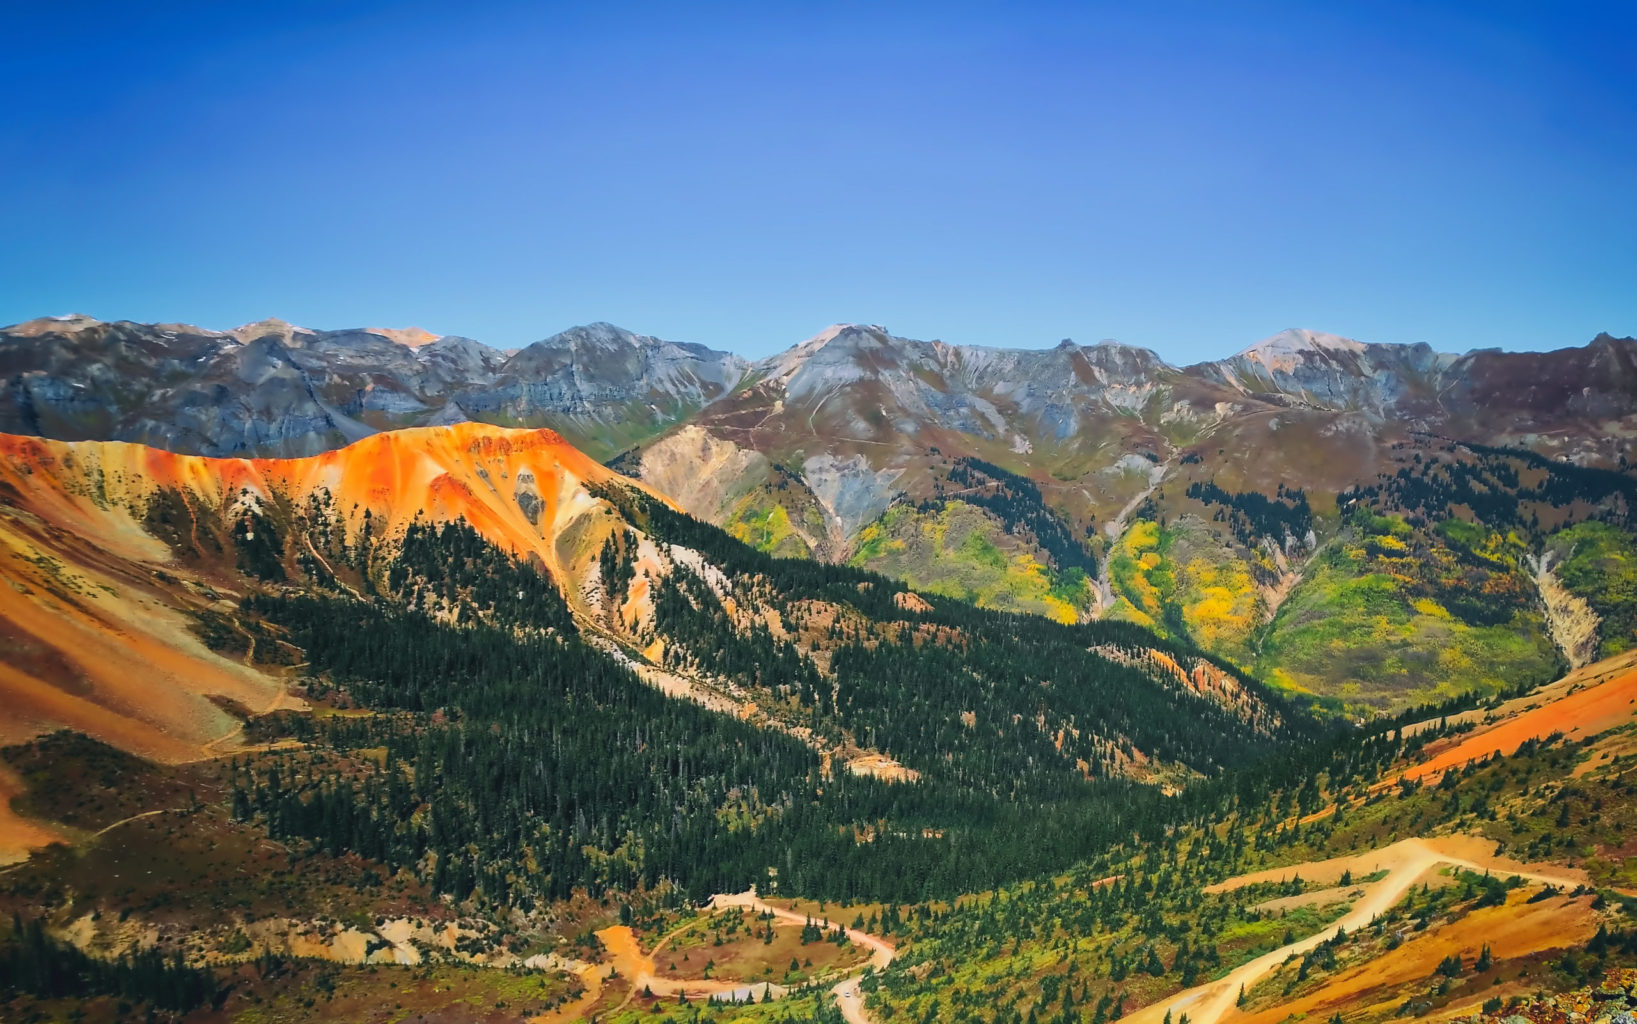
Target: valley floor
1475	871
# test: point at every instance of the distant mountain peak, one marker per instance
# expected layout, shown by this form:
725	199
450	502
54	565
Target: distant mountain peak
785	364
825	336
599	334
601	327
272	322
52	325
1295	340
282	329
873	332
1116	345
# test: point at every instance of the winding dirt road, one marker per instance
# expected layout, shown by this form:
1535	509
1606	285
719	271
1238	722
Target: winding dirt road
1405	862
640	969
848	992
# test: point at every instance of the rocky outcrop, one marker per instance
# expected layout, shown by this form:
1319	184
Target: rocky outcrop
705	474
602	383
273	388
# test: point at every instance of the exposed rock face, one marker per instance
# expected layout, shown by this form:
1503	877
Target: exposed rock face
1572	621
851	492
1502	395
884	441
271	388
701	472
989	393
1325	371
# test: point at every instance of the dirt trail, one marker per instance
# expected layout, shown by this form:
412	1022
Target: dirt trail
628	963
283	700
639	968
1513	930
136	817
1587	702
642	968
1405	862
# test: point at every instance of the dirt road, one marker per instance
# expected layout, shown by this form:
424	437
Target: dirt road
640	969
1405	862
848	992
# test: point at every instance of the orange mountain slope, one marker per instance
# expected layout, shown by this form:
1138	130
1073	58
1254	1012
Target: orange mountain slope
97	614
1586	703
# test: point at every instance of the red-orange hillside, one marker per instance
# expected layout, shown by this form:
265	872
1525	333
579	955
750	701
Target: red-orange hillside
95	623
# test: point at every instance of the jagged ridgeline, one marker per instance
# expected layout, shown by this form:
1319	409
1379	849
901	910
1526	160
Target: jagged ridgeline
502	650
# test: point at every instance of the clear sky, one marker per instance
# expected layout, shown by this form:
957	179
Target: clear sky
1190	177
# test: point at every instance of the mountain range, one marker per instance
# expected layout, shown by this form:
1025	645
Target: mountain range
1448	520
273	389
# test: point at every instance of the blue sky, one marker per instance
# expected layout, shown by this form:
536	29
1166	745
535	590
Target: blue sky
1190	177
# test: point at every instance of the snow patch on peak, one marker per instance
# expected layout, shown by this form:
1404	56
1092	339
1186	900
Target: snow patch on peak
1294	341
872	333
823	337
597	334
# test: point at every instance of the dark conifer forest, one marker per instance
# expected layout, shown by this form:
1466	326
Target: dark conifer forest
518	762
